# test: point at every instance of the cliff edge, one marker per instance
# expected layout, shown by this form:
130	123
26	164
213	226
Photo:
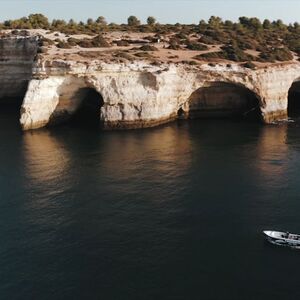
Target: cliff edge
56	84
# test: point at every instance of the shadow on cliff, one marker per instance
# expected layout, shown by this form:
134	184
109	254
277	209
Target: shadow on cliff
294	101
10	111
222	100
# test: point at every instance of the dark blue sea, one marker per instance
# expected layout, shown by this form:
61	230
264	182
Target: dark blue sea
174	212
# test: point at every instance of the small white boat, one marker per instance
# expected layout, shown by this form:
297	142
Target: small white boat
283	238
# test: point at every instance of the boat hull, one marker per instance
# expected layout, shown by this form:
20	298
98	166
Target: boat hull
283	239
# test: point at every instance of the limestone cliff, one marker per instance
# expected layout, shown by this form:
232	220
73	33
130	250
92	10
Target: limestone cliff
139	94
142	95
16	63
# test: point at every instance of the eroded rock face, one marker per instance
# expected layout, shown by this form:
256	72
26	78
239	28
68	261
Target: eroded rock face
139	95
134	94
220	99
16	63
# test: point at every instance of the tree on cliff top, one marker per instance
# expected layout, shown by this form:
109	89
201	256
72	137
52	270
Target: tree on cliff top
101	20
58	24
90	21
72	23
267	24
214	22
251	23
133	21
151	21
38	21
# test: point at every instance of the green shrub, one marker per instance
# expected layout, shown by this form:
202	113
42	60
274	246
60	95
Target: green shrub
208	40
181	36
245	44
123	55
151	21
156	63
96	42
209	55
148	48
122	43
174	44
133	21
279	54
99	41
218	36
196	46
85	43
294	44
282	54
143	55
174	47
90	54
249	65
266	57
234	53
189	62
229	52
63	45
73	42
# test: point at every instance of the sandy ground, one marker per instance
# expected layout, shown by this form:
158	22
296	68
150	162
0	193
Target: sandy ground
163	54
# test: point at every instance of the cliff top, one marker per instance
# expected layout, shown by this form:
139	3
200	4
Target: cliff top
249	42
127	47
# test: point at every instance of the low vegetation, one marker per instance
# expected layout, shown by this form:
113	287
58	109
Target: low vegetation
248	40
196	46
148	48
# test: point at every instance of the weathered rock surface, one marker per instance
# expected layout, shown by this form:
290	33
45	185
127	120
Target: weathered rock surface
16	62
135	94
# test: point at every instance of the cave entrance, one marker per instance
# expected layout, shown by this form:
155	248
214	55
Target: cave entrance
294	100
79	109
12	105
87	113
224	100
10	111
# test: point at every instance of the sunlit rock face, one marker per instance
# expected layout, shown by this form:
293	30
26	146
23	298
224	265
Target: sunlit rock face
16	61
137	95
52	90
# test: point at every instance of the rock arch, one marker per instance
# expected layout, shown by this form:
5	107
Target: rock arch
222	100
77	104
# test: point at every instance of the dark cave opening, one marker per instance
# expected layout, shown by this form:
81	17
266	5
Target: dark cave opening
224	100
10	108
294	100
88	112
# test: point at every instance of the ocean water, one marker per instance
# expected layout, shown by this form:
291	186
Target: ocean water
174	212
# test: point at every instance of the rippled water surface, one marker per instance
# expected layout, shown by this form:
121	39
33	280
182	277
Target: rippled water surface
174	212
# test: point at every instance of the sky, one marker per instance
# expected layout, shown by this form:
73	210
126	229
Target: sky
165	11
